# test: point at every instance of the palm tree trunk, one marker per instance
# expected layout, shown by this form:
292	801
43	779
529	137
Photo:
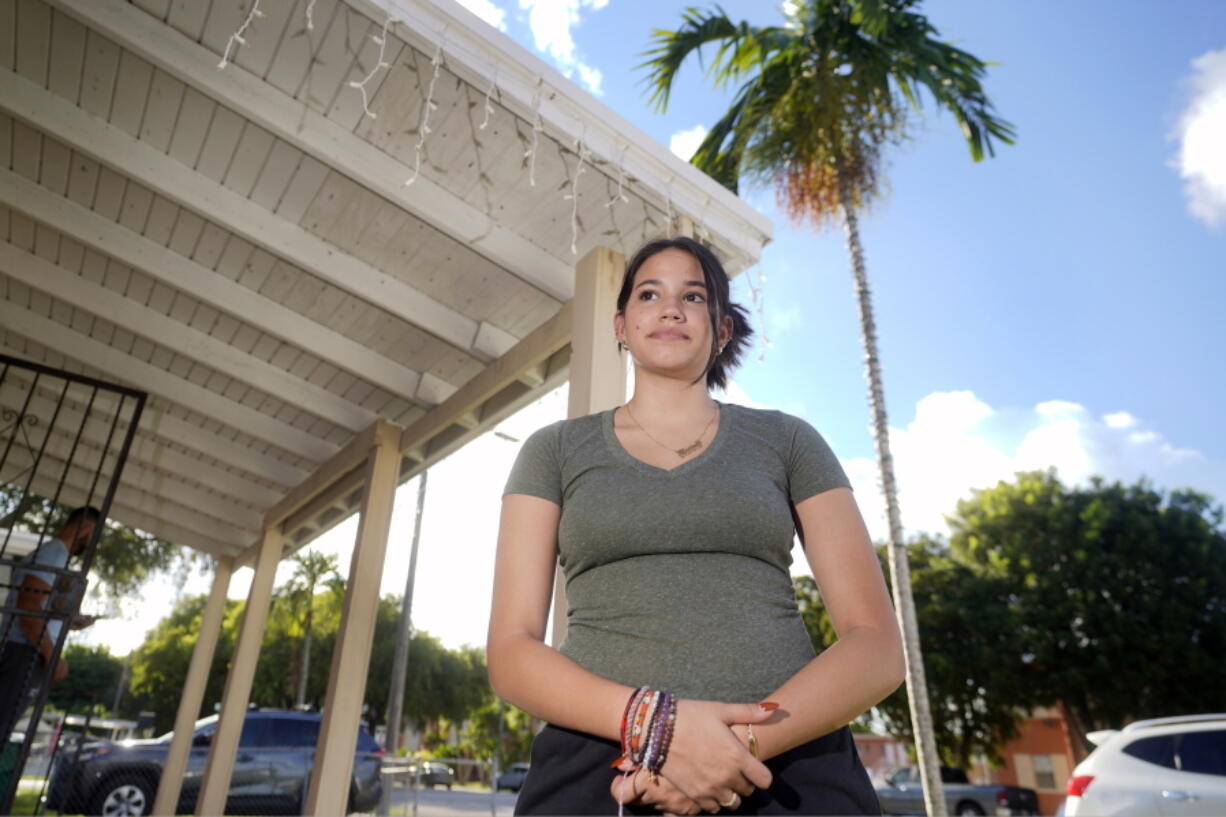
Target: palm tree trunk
900	570
300	698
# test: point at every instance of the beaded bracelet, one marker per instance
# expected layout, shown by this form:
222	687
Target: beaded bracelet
647	727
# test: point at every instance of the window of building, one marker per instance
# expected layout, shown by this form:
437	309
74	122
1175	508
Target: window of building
1044	772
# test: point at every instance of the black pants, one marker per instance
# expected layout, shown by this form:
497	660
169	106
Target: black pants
20	669
571	773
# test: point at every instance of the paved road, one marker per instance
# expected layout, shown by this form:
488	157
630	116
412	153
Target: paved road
455	803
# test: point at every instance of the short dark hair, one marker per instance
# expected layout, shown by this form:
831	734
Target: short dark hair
87	513
719	303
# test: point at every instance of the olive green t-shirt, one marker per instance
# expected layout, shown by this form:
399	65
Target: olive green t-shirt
679	579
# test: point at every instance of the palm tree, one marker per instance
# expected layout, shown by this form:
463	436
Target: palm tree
311	568
821	97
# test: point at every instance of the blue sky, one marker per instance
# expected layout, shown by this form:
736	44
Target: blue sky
1058	305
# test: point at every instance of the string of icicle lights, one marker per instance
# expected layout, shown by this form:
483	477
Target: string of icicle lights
582	152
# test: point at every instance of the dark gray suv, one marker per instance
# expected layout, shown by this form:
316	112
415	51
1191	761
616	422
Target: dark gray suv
271	769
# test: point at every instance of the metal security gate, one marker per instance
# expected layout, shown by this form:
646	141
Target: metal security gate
64	439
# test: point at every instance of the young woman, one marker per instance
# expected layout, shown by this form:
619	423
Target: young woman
672	518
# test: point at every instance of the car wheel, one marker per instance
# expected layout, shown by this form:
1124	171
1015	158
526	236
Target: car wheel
969	810
127	795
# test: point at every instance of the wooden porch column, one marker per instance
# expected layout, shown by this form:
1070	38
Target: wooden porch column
220	766
597	368
193	690
338	734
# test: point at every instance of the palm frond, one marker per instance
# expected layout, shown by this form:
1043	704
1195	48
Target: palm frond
740	49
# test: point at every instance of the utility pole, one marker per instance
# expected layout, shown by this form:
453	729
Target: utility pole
400	664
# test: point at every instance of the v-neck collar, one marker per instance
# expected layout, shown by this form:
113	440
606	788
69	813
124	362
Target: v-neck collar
726	414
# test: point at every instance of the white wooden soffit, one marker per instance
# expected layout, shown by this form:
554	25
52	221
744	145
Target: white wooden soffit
207	286
13	396
323	139
162	427
155	514
474	49
180	338
181	184
60	449
147	377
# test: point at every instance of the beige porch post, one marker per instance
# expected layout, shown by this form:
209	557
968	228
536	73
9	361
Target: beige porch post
597	368
329	790
216	783
193	690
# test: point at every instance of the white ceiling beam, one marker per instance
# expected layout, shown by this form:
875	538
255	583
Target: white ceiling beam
39	274
330	143
53	115
470	398
168	428
95	429
150	378
205	285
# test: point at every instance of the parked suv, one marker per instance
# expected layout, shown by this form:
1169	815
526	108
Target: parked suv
271	769
1170	766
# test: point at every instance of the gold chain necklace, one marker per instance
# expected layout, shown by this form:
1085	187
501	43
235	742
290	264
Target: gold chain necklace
680	452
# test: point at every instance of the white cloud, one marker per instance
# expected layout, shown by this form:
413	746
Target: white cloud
685	143
958	443
1201	133
551	22
487	11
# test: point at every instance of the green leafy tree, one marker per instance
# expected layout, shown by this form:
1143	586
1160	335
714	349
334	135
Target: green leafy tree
442	683
160	663
819	100
92	680
965	618
1117	594
1077	598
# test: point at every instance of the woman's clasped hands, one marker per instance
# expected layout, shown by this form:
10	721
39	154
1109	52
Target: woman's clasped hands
708	768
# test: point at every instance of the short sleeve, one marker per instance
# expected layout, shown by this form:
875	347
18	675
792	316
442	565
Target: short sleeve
812	466
51	553
537	470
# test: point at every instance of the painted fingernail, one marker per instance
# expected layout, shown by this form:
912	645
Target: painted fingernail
617	762
769	706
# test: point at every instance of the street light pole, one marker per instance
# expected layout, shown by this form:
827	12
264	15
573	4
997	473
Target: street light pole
400	664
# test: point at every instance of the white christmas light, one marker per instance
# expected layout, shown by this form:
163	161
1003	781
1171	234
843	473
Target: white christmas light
423	128
573	196
310	19
379	63
537	127
489	109
237	37
620	195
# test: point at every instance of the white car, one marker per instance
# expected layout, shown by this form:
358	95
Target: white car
1164	766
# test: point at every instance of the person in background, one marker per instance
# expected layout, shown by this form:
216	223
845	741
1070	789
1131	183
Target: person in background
27	642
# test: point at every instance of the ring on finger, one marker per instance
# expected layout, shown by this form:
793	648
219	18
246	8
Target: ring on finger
733	801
